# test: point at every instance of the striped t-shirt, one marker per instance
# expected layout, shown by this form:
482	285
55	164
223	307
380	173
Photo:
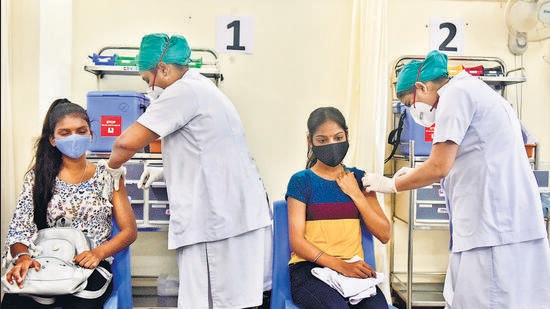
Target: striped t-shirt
332	219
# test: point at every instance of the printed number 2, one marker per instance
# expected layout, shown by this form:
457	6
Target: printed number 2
236	25
452	33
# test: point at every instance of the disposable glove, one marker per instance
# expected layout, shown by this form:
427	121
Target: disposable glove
150	174
402	171
378	183
116	173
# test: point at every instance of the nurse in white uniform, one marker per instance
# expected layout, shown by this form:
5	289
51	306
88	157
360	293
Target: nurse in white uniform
220	220
500	256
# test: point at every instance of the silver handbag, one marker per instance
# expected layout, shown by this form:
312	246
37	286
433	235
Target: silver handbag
55	249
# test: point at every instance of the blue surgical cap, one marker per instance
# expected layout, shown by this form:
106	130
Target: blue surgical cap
433	67
175	49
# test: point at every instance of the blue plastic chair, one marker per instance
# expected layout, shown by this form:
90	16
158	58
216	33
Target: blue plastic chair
121	297
280	293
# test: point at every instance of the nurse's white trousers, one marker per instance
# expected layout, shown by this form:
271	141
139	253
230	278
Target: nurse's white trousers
513	276
230	273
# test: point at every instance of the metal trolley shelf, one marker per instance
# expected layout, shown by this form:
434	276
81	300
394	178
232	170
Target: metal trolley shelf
208	68
151	205
498	79
425	289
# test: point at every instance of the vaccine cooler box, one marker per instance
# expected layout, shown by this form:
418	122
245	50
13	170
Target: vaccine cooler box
111	113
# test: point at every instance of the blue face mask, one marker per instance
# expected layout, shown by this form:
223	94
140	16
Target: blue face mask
73	146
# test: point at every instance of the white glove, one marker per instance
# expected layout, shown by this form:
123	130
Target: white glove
150	174
378	183
116	173
402	171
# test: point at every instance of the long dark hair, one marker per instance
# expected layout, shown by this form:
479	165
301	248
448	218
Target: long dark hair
315	120
47	159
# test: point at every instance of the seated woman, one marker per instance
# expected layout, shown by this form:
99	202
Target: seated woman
325	204
62	188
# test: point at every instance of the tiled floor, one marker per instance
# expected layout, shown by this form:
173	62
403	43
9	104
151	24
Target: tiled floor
144	292
141	301
145	297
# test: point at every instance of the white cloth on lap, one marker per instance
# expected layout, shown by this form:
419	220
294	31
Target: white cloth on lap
355	288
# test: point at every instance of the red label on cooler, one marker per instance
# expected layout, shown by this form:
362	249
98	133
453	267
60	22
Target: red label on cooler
429	133
111	125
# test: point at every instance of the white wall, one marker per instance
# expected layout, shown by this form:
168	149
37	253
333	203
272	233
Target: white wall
299	63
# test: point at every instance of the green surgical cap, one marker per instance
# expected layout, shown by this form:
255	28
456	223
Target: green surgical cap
434	66
153	45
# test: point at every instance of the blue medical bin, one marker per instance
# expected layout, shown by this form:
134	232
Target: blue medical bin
432	211
159	212
111	113
545	198
138	211
422	136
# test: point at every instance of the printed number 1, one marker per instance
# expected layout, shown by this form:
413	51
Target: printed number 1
236	24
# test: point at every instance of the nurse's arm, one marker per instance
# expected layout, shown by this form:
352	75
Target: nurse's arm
132	140
437	166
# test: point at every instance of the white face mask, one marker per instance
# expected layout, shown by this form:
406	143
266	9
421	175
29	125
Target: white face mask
155	93
423	114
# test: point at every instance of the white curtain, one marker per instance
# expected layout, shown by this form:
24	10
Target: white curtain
367	100
8	172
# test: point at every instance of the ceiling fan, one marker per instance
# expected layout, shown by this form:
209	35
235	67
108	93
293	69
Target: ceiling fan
527	21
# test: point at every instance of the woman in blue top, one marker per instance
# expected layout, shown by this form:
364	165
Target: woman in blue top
325	204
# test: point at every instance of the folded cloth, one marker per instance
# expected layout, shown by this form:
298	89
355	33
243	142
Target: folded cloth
356	289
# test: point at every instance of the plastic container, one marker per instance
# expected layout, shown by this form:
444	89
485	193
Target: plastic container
493	72
127	61
422	136
167	285
195	63
455	69
111	113
103	60
474	71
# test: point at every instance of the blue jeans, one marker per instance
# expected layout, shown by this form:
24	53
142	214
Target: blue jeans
310	292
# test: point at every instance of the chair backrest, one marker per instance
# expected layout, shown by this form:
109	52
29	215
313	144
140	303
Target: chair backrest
280	293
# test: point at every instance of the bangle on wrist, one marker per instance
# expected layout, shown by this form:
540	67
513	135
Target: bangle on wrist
317	257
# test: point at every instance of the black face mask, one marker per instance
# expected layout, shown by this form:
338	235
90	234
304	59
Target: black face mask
331	154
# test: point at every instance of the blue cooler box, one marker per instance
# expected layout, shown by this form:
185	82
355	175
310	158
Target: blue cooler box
111	113
422	136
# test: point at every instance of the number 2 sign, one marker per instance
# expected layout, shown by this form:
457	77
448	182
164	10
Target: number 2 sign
235	34
447	35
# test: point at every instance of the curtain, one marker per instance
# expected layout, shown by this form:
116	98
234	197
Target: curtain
8	172
366	105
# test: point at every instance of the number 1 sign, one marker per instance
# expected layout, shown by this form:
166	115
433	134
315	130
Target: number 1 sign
235	34
447	36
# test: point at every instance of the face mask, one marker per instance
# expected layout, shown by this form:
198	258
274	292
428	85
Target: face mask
423	114
154	93
331	154
73	146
